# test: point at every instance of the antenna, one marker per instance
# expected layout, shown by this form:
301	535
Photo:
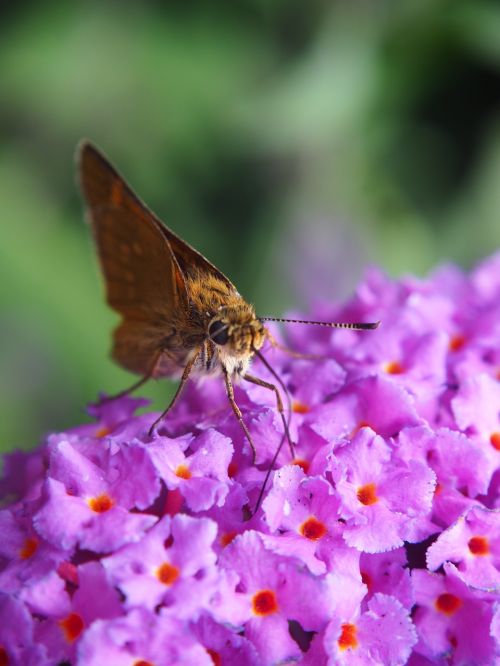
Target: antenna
330	324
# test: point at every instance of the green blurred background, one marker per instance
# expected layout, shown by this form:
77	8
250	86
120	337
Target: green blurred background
291	142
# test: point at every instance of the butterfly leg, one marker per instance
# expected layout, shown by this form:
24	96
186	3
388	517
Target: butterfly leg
185	376
237	412
279	404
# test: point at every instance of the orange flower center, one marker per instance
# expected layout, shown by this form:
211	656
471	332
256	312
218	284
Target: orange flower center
72	626
348	637
495	440
393	368
313	529
367	494
264	603
167	573
479	545
183	472
300	407
448	603
101	503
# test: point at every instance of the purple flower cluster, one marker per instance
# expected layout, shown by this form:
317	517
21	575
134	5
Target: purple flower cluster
378	544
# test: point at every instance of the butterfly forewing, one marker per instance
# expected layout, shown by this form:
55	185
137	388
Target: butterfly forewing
142	277
143	280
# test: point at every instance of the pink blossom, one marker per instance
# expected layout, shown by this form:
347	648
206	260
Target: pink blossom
377	543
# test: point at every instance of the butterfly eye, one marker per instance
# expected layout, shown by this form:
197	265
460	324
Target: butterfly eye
218	332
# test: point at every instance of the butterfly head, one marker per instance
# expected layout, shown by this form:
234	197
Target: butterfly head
236	331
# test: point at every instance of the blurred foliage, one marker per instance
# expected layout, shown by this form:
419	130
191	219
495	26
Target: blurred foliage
290	142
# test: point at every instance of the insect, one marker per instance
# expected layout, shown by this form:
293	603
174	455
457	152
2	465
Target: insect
180	315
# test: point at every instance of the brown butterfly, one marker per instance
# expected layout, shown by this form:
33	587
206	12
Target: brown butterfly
180	315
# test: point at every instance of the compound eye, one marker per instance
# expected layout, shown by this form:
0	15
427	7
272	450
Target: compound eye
218	332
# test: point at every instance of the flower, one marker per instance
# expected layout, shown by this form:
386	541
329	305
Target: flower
172	566
453	620
383	634
472	542
377	543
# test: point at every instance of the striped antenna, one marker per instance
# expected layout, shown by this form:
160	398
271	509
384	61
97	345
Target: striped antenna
331	324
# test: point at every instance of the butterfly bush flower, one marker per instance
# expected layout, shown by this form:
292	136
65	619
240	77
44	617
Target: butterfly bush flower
377	542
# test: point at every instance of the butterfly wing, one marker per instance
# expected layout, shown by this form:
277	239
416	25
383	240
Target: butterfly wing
143	280
141	273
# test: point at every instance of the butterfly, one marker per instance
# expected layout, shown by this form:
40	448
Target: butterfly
180	315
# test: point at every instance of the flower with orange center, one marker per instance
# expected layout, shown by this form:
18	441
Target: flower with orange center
313	529
367	494
101	503
264	603
167	573
447	603
72	626
348	637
